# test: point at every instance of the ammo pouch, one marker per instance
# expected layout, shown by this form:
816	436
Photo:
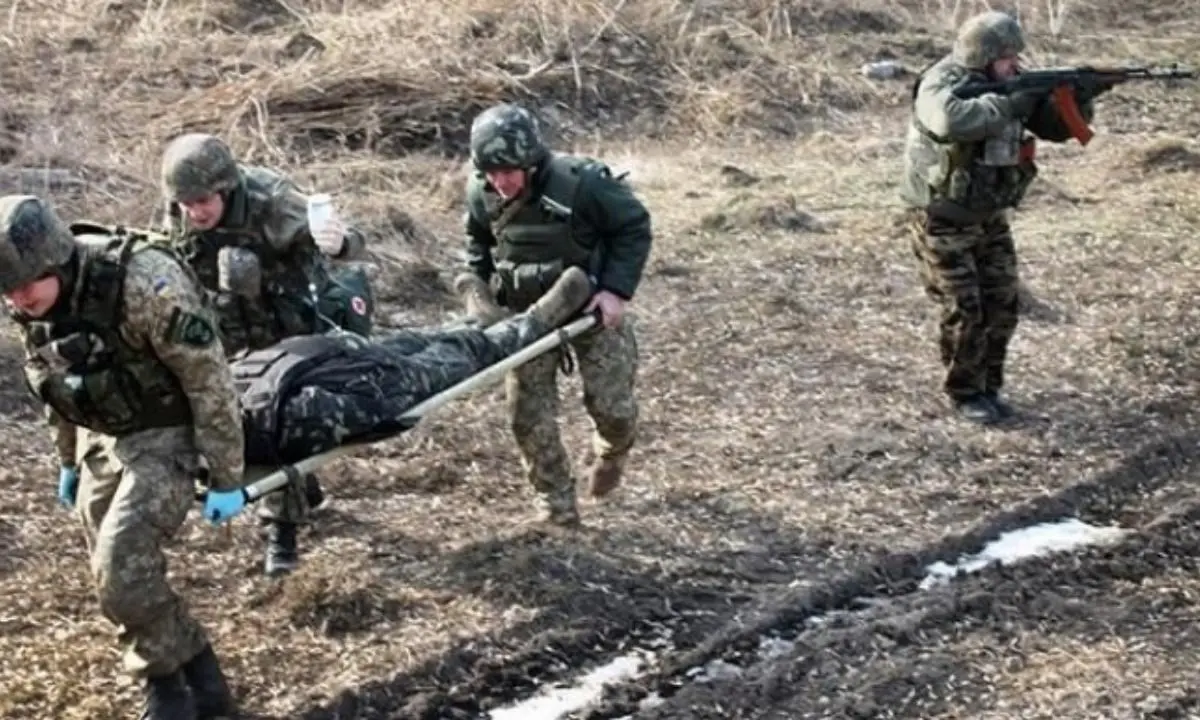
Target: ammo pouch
976	190
244	323
983	190
97	393
517	286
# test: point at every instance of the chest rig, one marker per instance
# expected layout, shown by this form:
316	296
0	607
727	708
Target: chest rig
81	365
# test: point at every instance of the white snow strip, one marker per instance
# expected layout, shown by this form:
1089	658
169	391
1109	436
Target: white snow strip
552	703
1028	542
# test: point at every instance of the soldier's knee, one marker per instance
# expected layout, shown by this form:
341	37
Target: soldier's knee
532	411
1005	317
123	578
967	306
532	428
615	416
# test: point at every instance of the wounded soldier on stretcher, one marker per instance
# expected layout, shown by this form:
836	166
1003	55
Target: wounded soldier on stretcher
312	393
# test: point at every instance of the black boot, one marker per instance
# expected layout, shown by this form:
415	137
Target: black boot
976	409
1003	409
282	557
167	698
213	697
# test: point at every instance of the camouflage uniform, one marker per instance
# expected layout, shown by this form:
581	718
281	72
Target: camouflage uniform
140	397
968	162
265	215
309	394
571	213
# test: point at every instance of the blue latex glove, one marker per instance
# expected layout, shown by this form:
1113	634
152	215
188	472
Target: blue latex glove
68	485
222	505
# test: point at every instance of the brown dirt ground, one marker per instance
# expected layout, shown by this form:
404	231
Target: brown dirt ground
795	455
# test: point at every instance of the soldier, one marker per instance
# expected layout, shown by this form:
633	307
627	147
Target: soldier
968	162
124	355
542	212
309	394
213	202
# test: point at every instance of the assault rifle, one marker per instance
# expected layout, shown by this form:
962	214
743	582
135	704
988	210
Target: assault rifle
1066	83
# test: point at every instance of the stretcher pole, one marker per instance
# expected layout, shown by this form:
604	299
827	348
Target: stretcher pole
494	372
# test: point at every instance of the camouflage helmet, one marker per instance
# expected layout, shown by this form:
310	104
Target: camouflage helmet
987	37
506	137
197	164
34	241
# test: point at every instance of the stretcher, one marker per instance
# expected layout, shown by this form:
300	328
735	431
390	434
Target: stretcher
267	479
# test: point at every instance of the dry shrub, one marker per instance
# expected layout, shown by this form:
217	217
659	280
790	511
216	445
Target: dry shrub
410	78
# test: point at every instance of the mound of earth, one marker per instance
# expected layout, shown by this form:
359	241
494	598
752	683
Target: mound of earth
750	212
1169	157
327	87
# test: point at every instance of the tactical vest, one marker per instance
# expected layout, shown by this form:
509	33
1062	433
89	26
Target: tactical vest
83	368
286	277
536	241
263	379
970	182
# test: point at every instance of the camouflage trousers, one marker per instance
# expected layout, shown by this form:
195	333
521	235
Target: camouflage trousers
292	503
607	362
972	273
134	494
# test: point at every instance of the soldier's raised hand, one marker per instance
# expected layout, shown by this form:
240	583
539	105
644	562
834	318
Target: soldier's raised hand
331	238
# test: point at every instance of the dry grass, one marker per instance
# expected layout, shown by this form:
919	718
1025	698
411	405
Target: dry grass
791	420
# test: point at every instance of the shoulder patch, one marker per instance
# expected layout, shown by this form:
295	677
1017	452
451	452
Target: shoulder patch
187	328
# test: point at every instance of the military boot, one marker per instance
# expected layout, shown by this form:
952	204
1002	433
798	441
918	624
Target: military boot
168	698
213	697
606	475
477	298
1004	411
977	409
281	555
564	299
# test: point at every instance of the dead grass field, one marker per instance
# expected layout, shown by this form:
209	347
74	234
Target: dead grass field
794	454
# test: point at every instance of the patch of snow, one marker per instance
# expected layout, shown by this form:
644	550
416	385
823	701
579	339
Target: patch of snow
1028	542
555	702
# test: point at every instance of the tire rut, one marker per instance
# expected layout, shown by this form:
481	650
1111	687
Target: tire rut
891	582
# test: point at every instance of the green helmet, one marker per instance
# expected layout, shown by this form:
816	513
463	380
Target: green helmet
506	137
34	241
987	37
197	164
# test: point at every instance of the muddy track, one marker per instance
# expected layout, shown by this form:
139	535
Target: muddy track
594	609
591	605
890	585
903	657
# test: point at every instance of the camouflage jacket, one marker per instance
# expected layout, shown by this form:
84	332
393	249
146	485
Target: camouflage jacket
131	346
268	215
573	208
963	158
